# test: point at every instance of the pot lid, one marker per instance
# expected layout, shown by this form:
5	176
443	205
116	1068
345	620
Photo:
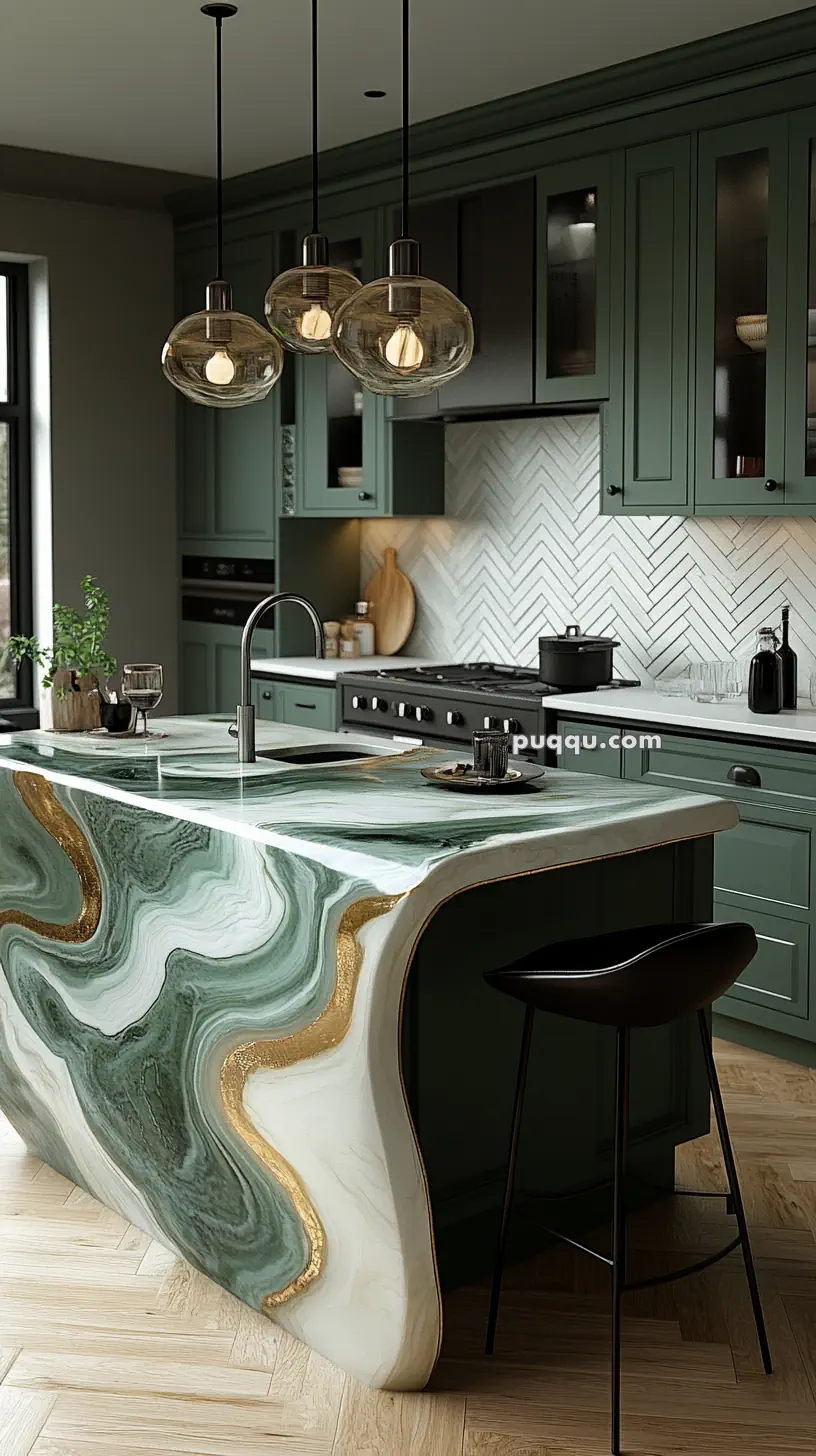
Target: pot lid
572	637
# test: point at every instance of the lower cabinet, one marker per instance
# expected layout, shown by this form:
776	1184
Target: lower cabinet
764	868
298	703
211	665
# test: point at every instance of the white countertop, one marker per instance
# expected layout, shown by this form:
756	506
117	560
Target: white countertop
643	705
331	667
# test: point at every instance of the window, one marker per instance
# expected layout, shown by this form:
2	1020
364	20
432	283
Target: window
16	685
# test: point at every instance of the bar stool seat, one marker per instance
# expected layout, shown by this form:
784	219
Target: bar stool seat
643	977
632	978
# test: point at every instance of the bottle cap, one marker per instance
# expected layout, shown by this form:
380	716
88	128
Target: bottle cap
361	608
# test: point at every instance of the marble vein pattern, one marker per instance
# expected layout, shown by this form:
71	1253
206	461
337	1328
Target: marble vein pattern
201	976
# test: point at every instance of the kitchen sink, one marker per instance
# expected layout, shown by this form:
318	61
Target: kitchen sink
315	753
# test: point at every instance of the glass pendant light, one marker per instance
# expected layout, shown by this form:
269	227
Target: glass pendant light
405	334
220	357
301	303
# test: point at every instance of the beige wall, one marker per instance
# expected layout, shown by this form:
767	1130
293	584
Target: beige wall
109	275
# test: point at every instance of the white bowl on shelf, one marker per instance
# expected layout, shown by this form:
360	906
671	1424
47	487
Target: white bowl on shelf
752	329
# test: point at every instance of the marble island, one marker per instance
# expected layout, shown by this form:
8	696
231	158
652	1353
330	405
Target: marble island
243	1005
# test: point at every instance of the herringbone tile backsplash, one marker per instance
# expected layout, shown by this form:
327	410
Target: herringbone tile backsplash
524	551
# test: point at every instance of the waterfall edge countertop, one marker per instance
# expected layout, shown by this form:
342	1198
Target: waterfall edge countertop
202	972
642	705
330	668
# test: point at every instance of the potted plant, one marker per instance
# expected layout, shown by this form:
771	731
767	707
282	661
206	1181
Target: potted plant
77	665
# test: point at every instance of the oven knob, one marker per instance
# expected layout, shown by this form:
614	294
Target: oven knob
454	719
423	714
403	710
511	725
380	705
358	702
492	723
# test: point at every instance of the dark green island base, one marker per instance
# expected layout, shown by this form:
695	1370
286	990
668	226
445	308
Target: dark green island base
461	1044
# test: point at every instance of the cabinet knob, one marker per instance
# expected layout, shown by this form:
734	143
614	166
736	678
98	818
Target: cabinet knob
740	773
771	484
613	490
267	696
364	495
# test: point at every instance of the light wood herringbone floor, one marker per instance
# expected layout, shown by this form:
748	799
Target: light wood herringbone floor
109	1345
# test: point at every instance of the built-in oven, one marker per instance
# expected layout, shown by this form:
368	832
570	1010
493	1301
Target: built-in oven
224	589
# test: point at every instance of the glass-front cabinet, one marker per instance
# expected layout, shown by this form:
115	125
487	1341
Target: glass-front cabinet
742	276
336	421
572	354
800	434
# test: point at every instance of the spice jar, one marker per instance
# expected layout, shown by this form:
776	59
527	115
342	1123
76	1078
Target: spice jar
331	634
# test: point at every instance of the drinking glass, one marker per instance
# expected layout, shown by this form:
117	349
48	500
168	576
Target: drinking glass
142	686
715	682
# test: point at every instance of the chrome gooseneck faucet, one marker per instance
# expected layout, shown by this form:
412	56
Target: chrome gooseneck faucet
245	717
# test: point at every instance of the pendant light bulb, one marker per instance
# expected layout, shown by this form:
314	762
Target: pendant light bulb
219	368
219	357
404	334
300	304
404	349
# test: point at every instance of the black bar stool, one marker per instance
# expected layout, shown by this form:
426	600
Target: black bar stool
644	977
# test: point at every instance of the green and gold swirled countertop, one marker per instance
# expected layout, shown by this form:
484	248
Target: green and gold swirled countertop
202	968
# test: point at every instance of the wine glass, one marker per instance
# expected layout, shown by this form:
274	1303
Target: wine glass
142	687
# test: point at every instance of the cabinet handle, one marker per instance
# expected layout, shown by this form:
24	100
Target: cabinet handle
740	773
267	697
771	484
310	706
364	495
613	490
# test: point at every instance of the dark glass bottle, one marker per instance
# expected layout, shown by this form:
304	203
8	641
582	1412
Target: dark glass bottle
765	675
788	657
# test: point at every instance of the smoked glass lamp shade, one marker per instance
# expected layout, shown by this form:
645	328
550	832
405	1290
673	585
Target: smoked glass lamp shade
220	357
405	334
301	303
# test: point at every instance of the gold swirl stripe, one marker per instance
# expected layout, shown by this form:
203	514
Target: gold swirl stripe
37	793
327	1031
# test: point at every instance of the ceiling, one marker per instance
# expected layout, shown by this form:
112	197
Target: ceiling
131	80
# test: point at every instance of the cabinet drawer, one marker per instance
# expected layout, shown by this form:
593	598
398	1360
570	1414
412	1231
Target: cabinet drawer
759	861
773	990
764	775
305	706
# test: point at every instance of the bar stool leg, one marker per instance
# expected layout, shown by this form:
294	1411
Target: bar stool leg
735	1191
518	1106
619	1225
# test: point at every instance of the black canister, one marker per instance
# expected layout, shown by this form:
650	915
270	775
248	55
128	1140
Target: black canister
765	675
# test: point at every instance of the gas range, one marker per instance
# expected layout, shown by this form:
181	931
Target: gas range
445	704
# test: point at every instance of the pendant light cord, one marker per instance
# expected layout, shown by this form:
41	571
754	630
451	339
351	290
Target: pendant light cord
405	109
314	117
219	154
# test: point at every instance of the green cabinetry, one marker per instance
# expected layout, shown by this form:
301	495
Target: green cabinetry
227	458
307	705
574	223
764	868
649	422
211	666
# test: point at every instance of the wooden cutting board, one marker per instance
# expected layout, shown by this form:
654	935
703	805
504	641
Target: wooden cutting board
393	605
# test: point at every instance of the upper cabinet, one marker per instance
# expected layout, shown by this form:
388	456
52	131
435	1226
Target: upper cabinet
573	207
800	393
342	455
741	316
227	457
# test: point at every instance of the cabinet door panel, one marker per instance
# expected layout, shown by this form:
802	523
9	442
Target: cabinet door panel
773	990
496	281
598	760
573	207
741	315
657	291
756	860
800	441
309	707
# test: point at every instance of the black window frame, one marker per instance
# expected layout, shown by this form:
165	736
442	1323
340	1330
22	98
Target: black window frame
19	711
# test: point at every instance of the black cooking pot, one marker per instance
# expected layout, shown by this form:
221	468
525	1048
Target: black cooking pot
574	661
